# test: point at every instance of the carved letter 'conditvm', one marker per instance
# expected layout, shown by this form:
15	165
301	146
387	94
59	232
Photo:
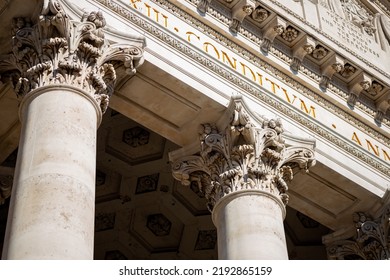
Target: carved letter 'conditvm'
57	50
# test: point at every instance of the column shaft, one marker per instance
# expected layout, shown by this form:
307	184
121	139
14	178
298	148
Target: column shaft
250	226
52	207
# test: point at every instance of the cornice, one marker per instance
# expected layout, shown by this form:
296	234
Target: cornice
274	71
245	31
248	86
249	35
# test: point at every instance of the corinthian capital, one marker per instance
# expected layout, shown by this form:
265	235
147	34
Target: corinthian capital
242	152
370	241
58	50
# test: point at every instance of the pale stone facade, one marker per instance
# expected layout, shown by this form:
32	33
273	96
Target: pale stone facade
150	129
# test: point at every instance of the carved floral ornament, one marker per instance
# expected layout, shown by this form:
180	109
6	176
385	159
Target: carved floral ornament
244	153
57	50
5	187
371	240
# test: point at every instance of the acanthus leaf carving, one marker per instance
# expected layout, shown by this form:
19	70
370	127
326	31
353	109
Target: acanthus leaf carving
242	154
370	242
59	50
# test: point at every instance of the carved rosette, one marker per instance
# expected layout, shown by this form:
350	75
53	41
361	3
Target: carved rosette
5	187
57	50
371	241
242	156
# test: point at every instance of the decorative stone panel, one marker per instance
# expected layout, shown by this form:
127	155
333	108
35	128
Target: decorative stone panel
147	183
207	239
104	221
159	224
319	52
136	136
100	178
290	34
5	187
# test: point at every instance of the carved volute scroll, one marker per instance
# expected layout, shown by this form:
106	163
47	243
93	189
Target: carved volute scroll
242	154
370	242
58	50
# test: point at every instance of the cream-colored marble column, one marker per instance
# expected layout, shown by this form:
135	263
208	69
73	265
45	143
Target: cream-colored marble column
250	226
242	168
64	75
52	205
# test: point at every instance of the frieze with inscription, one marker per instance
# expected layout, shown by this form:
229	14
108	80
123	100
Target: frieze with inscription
167	18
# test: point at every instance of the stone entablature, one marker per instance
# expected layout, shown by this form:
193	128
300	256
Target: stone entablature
364	38
159	31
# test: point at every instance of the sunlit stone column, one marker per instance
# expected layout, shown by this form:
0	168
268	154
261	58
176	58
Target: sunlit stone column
243	168
63	72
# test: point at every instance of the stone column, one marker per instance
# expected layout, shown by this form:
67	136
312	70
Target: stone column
63	72
243	168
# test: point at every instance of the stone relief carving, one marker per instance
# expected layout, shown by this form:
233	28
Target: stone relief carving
333	5
383	24
352	11
159	224
104	221
203	5
260	14
290	34
357	86
136	136
300	50
319	52
238	14
5	187
332	66
242	154
207	239
270	32
58	50
371	240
